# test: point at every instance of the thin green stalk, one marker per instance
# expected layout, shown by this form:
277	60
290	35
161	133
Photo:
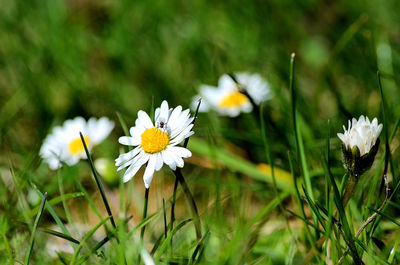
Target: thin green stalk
297	132
185	143
173	204
299	140
146	201
271	163
103	242
64	203
4	228
54	214
347	235
191	202
393	251
300	202
98	181
90	201
85	238
387	158
34	229
10	255
165	218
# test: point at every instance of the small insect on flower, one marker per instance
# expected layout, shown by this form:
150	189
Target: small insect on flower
360	144
228	100
156	144
65	145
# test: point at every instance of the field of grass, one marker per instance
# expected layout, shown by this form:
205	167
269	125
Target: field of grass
268	184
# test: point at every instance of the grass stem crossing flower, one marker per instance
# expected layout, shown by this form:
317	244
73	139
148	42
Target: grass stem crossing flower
228	100
156	143
65	145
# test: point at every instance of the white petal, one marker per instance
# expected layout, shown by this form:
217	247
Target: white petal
136	132
175	114
140	159
145	120
126	140
341	137
180	151
127	156
168	159
131	172
98	130
149	172
164	112
159	162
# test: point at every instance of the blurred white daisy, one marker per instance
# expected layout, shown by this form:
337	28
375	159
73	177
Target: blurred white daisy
227	99
361	133
64	143
156	144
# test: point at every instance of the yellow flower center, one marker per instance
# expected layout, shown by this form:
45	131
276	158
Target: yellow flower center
154	140
76	146
232	100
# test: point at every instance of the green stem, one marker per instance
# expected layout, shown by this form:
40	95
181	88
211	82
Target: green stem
191	202
35	225
185	143
173	204
98	182
146	200
351	185
64	203
7	245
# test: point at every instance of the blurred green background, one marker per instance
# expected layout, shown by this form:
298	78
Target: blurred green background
63	58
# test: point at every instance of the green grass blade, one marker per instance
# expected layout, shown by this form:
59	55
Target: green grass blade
185	143
393	251
305	221
54	214
123	124
60	235
34	229
86	237
102	243
299	200
146	200
144	222
314	208
89	200
369	251
297	134
55	201
238	164
166	241
342	216
61	190
386	216
164	218
3	233
98	182
385	129
199	248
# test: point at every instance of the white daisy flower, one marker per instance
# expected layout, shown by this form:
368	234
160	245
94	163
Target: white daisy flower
64	143
361	133
156	144
226	98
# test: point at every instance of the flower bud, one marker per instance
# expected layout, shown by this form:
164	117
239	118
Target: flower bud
360	144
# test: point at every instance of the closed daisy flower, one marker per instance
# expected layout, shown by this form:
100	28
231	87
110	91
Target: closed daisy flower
156	143
362	134
360	142
64	143
227	100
